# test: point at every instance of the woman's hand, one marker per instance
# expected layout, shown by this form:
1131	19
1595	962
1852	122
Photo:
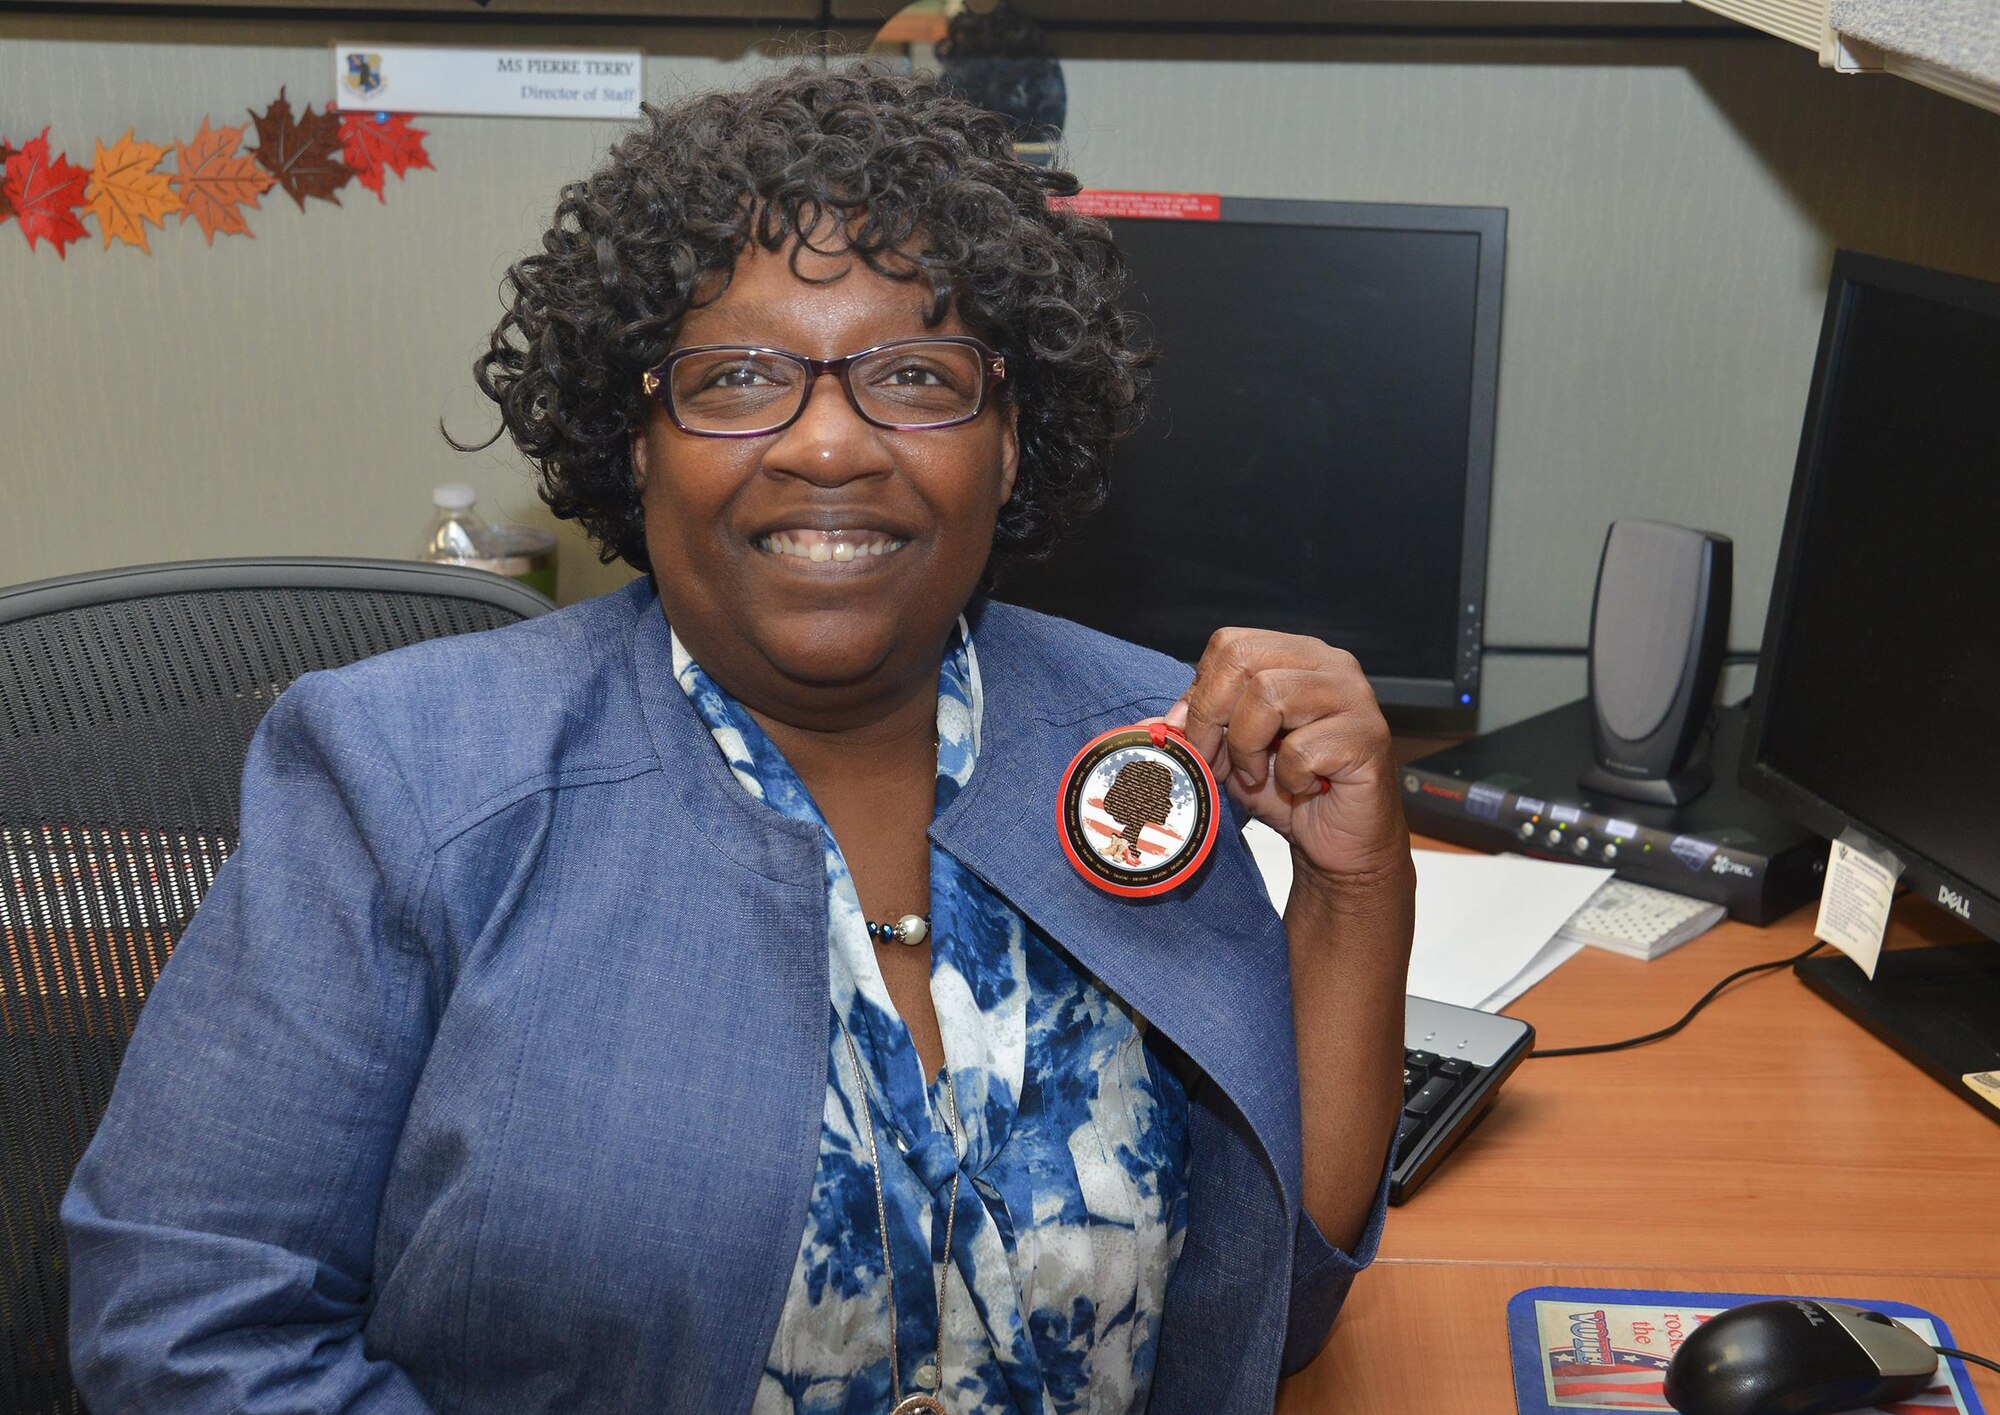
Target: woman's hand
1291	726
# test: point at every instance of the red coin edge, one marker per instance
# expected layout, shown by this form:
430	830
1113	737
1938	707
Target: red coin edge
1195	861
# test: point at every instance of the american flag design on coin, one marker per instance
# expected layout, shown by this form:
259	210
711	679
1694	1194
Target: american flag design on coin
1138	810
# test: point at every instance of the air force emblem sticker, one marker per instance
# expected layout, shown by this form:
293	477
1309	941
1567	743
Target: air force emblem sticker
364	77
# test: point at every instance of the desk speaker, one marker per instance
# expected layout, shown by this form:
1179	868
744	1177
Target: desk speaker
1657	627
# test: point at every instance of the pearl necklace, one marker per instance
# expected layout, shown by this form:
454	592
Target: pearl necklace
910	930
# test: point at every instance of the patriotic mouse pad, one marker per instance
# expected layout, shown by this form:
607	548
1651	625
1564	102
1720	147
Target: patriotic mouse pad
1607	1348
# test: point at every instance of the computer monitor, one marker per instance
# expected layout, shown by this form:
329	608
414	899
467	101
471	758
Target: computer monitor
1318	455
1877	702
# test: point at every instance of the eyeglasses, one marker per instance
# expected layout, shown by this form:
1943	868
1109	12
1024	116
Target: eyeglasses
907	385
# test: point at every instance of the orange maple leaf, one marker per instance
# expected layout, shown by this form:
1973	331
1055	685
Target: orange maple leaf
375	143
215	182
125	192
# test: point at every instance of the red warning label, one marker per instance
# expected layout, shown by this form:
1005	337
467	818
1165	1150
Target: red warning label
1158	206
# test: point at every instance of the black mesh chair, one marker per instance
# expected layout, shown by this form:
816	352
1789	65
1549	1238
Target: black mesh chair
127	702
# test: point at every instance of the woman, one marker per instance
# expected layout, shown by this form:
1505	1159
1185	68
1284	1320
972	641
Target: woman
682	1002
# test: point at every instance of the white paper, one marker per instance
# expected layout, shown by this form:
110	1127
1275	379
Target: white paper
1483	922
1273	854
1556	952
1854	902
1486	924
522	83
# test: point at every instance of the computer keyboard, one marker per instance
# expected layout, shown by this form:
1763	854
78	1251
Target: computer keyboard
1454	1059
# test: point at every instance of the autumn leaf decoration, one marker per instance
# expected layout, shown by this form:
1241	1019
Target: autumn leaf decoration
304	155
215	182
314	154
376	143
44	193
125	192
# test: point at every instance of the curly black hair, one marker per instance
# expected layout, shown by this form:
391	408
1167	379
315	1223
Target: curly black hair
924	187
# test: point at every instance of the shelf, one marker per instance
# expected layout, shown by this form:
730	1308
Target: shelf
1141	16
791	12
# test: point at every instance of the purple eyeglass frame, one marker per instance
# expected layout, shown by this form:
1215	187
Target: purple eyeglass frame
992	369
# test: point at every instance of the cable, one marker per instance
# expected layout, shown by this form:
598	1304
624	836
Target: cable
1967	1356
1686	1017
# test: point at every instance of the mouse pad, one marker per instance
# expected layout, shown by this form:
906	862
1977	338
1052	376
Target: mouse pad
1607	1348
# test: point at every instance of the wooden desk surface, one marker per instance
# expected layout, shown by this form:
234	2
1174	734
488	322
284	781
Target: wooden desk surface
1431	1338
1771	1146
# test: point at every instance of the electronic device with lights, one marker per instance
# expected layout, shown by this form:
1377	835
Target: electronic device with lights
1877	706
1520	789
1318	453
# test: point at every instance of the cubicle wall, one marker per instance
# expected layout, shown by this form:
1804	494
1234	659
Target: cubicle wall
1674	202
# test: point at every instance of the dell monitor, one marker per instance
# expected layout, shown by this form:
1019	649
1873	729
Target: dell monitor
1318	453
1877	703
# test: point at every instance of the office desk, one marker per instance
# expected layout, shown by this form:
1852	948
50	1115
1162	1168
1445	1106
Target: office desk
1771	1146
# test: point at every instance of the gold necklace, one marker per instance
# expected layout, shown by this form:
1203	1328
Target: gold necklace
920	1403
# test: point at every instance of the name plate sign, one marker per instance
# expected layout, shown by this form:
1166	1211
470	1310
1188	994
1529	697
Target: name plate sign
518	83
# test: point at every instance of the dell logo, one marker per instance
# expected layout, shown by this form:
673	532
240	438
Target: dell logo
1954	901
1723	865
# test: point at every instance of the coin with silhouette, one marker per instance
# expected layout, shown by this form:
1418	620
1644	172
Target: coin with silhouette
1138	810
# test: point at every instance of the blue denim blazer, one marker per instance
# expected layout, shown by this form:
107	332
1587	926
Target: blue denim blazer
488	1076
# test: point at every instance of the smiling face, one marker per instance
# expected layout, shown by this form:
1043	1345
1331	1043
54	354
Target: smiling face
815	572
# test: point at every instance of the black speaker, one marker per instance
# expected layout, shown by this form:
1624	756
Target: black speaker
1657	627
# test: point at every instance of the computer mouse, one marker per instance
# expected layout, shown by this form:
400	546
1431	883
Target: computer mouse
1797	1358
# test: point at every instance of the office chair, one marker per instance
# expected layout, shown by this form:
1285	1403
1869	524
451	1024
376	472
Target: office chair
127	703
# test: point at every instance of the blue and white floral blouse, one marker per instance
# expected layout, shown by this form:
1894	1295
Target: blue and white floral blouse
1073	1146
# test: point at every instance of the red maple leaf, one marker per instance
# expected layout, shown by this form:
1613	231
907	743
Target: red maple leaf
45	194
375	143
305	155
6	207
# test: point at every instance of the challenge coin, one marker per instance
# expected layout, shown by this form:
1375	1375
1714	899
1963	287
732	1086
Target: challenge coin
1138	810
